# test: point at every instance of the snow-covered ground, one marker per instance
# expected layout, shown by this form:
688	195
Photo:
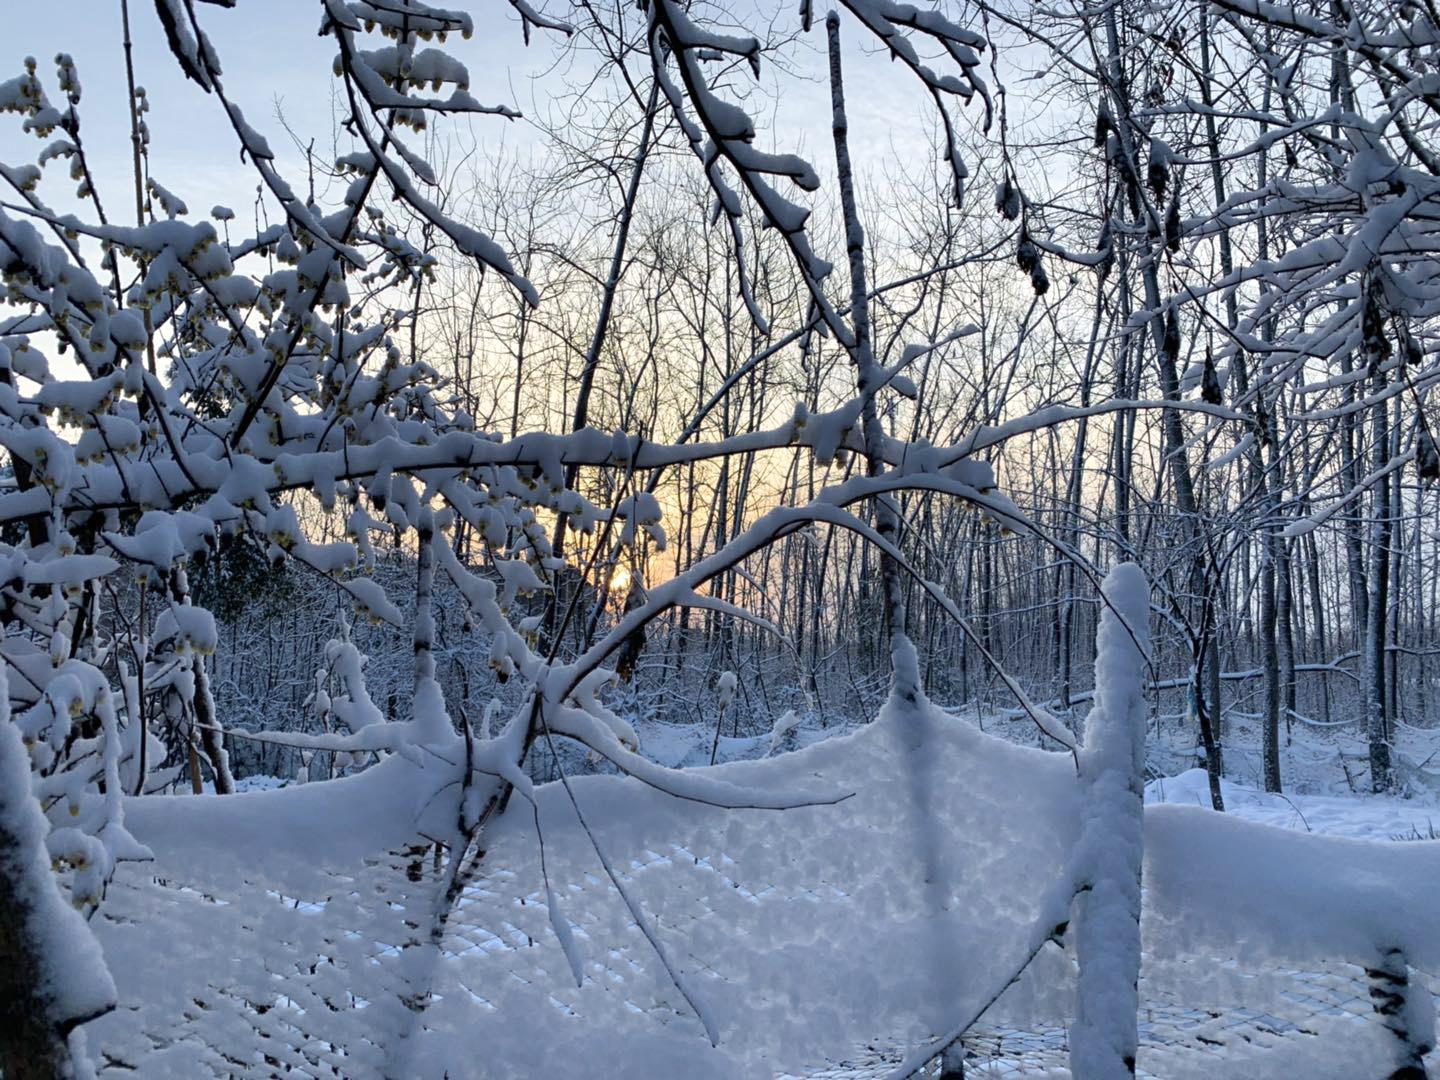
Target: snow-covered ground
1365	817
1326	776
1325	771
687	746
1320	767
1317	798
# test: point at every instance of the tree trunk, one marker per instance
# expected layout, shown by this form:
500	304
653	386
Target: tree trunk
1378	605
867	376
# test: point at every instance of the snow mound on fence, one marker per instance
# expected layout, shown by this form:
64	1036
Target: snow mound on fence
275	932
1221	882
805	932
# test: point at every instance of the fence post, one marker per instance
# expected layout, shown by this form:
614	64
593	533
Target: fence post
952	1061
1105	1035
1406	1015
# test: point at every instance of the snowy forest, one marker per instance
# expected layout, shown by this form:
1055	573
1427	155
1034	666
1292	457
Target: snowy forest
702	539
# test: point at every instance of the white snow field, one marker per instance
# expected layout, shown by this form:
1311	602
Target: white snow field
827	940
1369	817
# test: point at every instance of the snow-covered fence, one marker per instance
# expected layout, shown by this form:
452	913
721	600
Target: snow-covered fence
280	949
275	934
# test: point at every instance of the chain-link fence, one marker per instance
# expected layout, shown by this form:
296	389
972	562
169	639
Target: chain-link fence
826	942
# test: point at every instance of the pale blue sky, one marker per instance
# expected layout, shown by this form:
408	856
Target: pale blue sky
272	56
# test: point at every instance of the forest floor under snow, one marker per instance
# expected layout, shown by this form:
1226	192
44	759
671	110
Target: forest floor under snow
1326	776
1319	767
1363	817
